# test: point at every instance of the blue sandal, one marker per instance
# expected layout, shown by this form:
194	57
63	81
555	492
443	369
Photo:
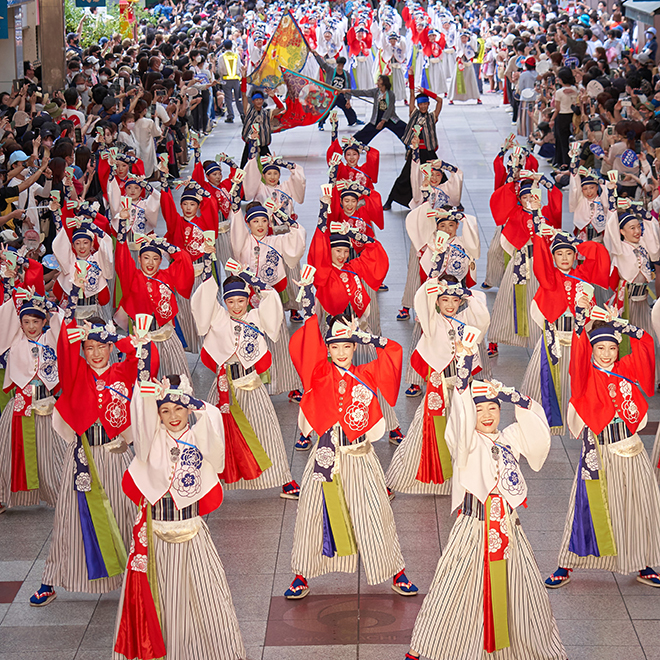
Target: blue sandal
396	436
303	443
44	595
298	589
403	586
559	578
649	577
290	491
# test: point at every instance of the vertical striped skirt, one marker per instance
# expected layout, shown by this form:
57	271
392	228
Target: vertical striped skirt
283	375
292	274
65	564
531	384
413	280
495	260
502	329
51	449
640	315
197	613
371	516
259	411
450	624
655	456
223	252
402	474
634	503
187	322
172	357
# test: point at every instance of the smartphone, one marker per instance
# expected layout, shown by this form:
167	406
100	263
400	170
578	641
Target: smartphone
121	84
626	103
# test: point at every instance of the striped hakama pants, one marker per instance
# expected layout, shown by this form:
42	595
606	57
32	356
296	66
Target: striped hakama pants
172	357
292	275
402	474
412	377
197	613
495	260
283	375
187	322
51	449
370	512
502	328
450	623
634	505
65	564
259	411
413	280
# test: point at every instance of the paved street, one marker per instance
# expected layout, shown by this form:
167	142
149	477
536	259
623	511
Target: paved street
601	616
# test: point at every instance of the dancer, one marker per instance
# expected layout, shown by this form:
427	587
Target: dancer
613	519
463	85
31	451
173	480
488	599
565	271
451	318
93	518
235	350
344	508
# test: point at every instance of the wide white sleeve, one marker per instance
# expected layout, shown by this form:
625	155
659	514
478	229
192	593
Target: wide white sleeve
425	311
271	313
530	435
453	187
106	257
209	435
574	192
419	226
145	423
611	235
151	209
63	253
476	314
292	245
297	184
651	239
114	196
204	306
470	237
459	434
10	324
416	179
252	179
239	234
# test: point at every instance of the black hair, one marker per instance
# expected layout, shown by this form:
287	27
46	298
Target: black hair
385	80
175	380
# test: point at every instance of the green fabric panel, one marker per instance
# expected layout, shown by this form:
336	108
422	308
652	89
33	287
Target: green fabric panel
246	429
265	377
498	589
340	519
284	296
4	396
520	292
105	525
30	452
507	258
624	344
460	82
600	516
440	424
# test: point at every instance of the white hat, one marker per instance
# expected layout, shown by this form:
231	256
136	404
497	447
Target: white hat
543	66
528	94
594	88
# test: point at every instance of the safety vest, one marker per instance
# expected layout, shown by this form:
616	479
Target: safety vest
231	63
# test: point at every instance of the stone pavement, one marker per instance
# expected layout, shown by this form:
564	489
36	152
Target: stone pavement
601	616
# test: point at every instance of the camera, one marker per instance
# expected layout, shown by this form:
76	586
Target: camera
595	125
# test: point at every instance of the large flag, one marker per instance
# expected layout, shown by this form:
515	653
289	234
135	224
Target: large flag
287	49
307	101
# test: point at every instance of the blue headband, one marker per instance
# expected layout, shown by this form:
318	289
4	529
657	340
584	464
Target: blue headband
423	99
150	247
604	333
84	231
104	334
269	166
257	95
525	188
211	167
563	241
255	212
232	289
626	218
340	240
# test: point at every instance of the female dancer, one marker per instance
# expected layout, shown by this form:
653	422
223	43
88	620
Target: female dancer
31	451
93	518
562	280
342	284
422	463
235	349
517	206
488	599
149	289
266	249
350	168
267	184
344	508
187	231
613	519
173	480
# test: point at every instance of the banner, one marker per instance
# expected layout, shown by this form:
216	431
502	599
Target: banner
307	100
287	49
4	22
90	3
